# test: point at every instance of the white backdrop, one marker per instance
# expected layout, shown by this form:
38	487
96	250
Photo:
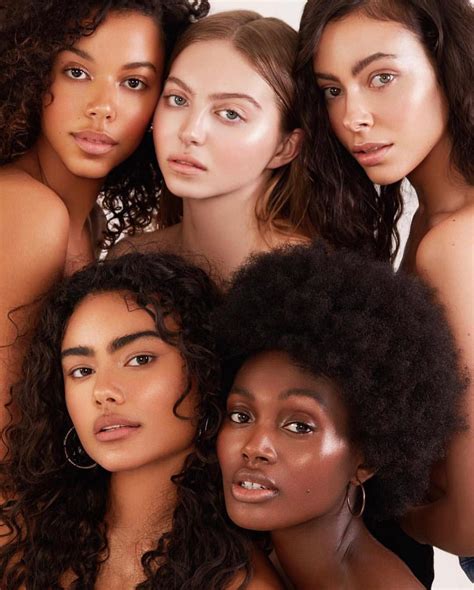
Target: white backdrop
448	574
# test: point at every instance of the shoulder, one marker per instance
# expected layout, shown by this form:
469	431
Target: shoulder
156	241
264	575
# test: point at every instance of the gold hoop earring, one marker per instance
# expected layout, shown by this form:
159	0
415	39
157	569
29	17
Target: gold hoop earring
76	454
362	508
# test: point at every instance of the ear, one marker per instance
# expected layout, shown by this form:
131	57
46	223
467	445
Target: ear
287	150
362	474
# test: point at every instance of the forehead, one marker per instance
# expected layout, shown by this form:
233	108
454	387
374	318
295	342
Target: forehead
217	67
357	36
101	317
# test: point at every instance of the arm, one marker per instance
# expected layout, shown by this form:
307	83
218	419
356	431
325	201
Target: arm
34	227
446	261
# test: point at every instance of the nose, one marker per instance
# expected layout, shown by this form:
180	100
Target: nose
106	391
102	103
258	447
357	116
192	130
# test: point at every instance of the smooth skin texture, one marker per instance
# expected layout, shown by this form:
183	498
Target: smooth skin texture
116	366
108	83
217	113
381	88
287	430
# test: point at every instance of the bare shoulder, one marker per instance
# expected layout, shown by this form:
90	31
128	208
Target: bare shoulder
162	240
264	575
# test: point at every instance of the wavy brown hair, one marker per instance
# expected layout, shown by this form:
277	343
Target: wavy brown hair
345	205
32	34
55	513
269	45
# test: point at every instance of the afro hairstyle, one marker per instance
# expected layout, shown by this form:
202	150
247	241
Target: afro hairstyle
380	336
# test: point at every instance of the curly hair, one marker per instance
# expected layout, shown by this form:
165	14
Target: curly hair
380	337
31	36
269	45
56	513
346	206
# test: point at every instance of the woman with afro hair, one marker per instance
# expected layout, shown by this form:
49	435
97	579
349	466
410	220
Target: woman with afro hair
79	81
111	479
342	391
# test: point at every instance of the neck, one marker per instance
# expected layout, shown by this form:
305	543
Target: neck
77	193
315	554
224	229
440	188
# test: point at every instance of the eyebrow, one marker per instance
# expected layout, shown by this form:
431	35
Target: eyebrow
115	345
217	95
242	391
358	66
304	392
130	66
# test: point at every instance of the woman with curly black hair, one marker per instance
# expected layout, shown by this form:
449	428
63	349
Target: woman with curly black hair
111	476
386	94
343	391
79	81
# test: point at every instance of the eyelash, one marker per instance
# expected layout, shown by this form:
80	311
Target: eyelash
70	70
171	101
327	91
307	427
239	413
150	358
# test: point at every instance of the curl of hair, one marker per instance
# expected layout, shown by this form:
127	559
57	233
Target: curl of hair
345	205
54	512
31	36
380	337
269	46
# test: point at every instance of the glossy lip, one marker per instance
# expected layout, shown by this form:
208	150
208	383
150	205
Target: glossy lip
120	427
185	164
93	142
253	495
370	154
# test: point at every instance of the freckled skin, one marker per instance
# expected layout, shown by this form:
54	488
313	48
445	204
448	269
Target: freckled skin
395	100
141	382
311	468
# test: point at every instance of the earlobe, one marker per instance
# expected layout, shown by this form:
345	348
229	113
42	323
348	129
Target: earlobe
362	474
288	149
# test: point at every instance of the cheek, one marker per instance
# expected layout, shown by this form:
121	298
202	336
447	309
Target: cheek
228	449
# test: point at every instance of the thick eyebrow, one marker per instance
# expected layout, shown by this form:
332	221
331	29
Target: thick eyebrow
115	345
358	66
302	391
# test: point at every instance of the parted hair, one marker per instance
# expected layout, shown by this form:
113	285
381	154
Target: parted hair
32	34
53	513
345	206
379	336
269	45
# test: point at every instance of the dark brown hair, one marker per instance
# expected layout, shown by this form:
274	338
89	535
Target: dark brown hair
345	205
269	45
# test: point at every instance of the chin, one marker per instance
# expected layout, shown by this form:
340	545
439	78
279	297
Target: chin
383	177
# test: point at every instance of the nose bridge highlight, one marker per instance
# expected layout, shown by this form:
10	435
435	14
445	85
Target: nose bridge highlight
357	114
259	444
193	126
105	388
102	100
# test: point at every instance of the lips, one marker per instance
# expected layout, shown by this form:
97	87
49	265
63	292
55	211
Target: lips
114	427
185	164
253	487
371	154
94	143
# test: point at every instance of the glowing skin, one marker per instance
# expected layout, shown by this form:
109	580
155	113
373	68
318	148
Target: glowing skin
384	102
133	380
107	84
286	430
217	126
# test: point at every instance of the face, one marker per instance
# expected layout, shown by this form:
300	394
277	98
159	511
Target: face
103	94
383	100
121	382
283	449
217	128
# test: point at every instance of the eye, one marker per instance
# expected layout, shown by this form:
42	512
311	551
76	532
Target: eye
175	100
135	84
76	73
331	92
382	80
140	360
299	427
229	115
239	417
80	372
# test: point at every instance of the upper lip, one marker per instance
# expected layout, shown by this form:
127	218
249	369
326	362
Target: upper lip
112	420
364	147
95	137
187	159
254	477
